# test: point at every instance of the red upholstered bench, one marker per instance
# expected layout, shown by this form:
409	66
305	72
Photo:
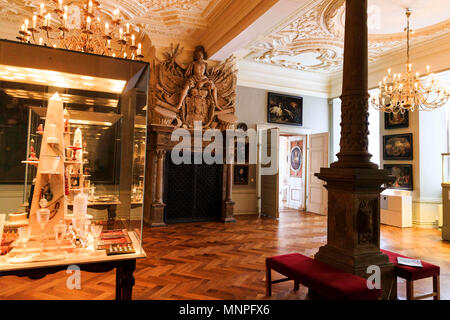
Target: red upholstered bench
411	274
326	281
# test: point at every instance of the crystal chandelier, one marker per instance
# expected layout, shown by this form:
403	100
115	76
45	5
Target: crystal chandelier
408	92
81	29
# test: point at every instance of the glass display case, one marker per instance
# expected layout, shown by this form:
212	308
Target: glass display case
72	156
446	168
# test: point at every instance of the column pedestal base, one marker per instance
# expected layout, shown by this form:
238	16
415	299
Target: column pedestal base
353	240
228	212
157	215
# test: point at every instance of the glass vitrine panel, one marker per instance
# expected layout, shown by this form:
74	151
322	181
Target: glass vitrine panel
68	134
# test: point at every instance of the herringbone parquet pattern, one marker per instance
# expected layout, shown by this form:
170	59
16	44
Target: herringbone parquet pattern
227	261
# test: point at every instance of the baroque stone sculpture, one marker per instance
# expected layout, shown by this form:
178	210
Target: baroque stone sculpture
198	93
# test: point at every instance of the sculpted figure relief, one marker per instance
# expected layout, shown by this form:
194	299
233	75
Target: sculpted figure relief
196	93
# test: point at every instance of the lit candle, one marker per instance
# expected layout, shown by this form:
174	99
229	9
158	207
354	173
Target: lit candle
133	40
117	14
410	67
41	41
106	28
42	9
109	44
428	69
60	4
120	34
128	28
88	23
90	7
49	19
27	22
389	71
417	75
34	21
125	55
139	49
65	19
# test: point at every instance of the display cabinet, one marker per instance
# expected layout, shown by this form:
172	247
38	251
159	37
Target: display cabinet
72	139
446	196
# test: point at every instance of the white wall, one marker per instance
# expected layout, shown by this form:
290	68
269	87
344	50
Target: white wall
252	109
432	143
374	129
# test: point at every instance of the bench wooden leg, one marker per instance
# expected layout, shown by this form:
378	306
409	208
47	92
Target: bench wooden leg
268	282
410	290
437	288
296	285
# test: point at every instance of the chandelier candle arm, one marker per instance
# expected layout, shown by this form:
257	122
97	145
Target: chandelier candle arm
406	92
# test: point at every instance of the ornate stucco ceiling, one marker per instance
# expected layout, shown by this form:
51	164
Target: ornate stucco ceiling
174	19
312	39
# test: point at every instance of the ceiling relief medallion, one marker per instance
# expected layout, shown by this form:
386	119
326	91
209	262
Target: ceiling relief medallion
313	40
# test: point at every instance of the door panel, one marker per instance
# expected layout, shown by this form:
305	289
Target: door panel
270	183
296	179
318	158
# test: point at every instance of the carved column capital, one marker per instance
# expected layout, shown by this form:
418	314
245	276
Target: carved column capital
160	154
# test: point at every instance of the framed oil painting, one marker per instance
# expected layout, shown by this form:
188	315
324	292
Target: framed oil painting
296	159
241	174
396	120
285	109
403	174
398	147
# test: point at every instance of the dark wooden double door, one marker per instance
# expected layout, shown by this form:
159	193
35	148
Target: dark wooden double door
193	193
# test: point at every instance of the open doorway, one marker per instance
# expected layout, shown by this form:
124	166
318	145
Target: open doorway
292	173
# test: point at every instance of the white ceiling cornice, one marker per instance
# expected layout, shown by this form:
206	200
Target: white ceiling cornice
274	78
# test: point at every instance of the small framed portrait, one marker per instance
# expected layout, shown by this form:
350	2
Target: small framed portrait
241	174
398	147
296	159
396	120
283	109
403	174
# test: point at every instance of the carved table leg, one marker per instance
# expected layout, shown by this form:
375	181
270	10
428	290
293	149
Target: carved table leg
125	280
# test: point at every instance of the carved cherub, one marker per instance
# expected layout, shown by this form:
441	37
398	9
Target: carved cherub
197	77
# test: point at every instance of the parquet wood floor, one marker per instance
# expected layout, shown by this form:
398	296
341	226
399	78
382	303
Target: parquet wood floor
227	261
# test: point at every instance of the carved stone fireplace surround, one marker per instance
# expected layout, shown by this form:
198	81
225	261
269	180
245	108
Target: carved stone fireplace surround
159	144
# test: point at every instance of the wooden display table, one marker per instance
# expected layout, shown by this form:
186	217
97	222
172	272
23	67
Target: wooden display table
124	264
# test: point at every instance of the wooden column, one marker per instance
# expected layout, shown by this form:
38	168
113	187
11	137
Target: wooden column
354	183
228	204
158	206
